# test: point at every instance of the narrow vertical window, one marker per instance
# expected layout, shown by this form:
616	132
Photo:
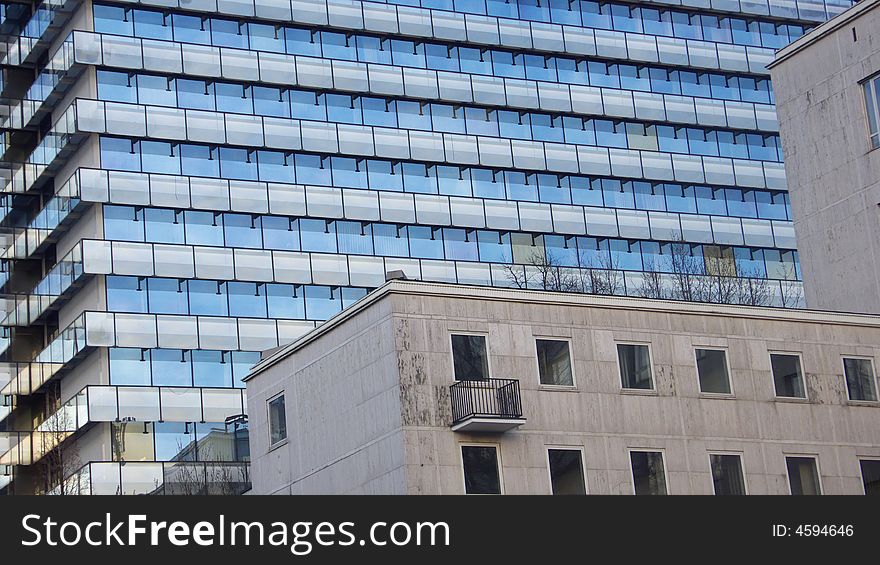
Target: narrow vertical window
566	471
481	474
635	366
712	371
803	475
871	475
649	474
469	359
277	420
860	381
788	379
554	362
872	105
727	474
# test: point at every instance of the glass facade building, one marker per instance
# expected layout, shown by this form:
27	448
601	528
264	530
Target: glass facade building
188	183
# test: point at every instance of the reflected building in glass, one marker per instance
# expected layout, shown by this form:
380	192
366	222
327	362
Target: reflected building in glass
185	186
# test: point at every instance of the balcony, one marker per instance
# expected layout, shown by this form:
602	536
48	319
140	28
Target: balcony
491	405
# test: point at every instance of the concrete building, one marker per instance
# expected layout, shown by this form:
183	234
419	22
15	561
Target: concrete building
827	88
426	388
187	183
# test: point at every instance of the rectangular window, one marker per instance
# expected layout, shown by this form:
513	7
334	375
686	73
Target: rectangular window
871	475
787	376
712	371
566	471
872	105
860	382
803	475
635	366
481	474
277	420
469	358
649	475
554	362
727	474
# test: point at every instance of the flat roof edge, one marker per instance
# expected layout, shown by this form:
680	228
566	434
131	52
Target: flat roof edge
823	30
449	290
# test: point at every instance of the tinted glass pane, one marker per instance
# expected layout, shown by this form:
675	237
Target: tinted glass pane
727	474
871	475
712	370
635	366
860	379
566	471
787	377
803	476
554	362
129	366
277	420
649	476
469	357
480	470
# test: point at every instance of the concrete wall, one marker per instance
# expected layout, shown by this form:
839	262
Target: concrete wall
343	415
595	415
833	175
605	421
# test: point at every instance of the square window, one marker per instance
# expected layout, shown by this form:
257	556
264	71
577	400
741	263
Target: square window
803	475
787	376
860	382
469	359
277	420
649	475
554	362
712	371
566	471
870	475
727	474
481	475
635	366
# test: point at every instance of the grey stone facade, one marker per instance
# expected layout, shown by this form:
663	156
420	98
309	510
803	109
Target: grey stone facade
368	407
833	172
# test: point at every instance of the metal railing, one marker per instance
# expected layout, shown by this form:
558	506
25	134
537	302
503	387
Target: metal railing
489	398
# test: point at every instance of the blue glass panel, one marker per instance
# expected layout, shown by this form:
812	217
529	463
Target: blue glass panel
212	368
229	33
279	233
191	29
207	298
171	367
112	19
129	366
163	225
425	242
126	294
390	240
152	25
119	154
355	238
246	299
203	228
123	223
586	193
494	247
322	302
243	230
117	87
317	235
168	296
460	244
285	302
199	161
